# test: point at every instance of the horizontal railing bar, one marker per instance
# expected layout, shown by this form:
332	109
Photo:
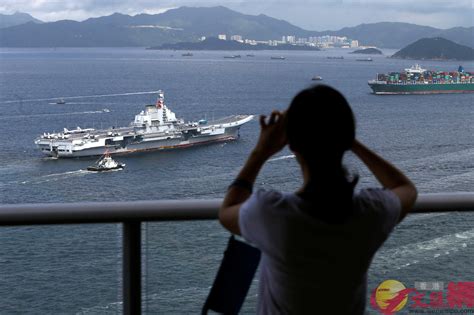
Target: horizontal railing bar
444	202
172	210
108	212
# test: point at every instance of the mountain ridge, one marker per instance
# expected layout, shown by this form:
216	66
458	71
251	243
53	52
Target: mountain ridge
190	23
17	18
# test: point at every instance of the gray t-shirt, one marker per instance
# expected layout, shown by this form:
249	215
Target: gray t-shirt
308	265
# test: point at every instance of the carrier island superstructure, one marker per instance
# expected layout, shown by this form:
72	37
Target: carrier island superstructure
155	128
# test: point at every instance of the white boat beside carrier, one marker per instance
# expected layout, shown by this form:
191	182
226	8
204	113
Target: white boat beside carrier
105	163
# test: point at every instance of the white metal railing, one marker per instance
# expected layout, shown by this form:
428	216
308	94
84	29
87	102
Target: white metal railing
132	213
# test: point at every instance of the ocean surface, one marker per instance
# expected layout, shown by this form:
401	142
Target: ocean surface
77	269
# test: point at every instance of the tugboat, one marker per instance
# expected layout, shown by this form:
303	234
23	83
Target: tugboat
232	56
105	163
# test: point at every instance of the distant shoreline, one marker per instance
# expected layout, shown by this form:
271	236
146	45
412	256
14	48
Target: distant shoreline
229	45
210	49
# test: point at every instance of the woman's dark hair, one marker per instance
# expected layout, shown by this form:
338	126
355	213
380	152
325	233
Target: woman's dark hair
321	128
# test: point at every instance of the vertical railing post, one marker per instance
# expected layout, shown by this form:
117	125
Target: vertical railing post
132	298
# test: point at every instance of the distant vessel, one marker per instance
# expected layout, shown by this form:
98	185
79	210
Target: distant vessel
155	128
61	101
105	163
416	80
365	59
278	58
317	78
187	54
232	57
335	57
250	55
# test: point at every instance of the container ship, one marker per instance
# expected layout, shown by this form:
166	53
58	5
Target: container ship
154	128
416	80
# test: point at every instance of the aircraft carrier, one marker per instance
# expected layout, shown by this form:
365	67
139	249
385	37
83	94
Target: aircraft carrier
154	128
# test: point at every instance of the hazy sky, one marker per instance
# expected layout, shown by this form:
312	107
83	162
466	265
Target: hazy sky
313	15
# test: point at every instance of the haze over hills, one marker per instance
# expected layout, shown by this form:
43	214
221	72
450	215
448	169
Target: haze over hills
17	18
402	34
435	49
187	24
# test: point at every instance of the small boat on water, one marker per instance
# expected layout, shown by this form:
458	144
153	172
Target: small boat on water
105	163
365	59
61	101
335	57
232	56
187	54
250	55
277	58
317	78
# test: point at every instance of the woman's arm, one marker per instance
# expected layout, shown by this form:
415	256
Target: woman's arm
389	176
272	139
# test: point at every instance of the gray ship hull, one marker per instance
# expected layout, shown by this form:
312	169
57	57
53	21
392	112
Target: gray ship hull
159	145
144	146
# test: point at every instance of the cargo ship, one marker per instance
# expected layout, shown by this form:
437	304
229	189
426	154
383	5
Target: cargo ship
416	80
155	128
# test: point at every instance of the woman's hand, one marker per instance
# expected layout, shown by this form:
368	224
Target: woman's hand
272	139
272	134
389	176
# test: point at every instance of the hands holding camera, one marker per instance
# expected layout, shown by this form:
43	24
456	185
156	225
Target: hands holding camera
272	135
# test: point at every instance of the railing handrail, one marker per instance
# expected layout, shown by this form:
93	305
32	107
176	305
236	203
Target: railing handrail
173	210
132	213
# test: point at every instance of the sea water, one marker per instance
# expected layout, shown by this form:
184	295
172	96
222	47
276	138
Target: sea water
76	269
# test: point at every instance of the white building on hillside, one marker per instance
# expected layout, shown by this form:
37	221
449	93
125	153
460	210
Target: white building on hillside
236	38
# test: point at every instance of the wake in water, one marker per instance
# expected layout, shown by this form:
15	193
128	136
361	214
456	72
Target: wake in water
466	179
423	216
55	114
55	177
284	157
60	176
458	156
420	168
422	252
76	97
75	103
426	171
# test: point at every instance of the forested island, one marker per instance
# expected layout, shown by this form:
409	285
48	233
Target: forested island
435	49
367	51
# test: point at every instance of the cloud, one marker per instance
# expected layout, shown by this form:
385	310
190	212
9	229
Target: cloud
310	14
323	15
